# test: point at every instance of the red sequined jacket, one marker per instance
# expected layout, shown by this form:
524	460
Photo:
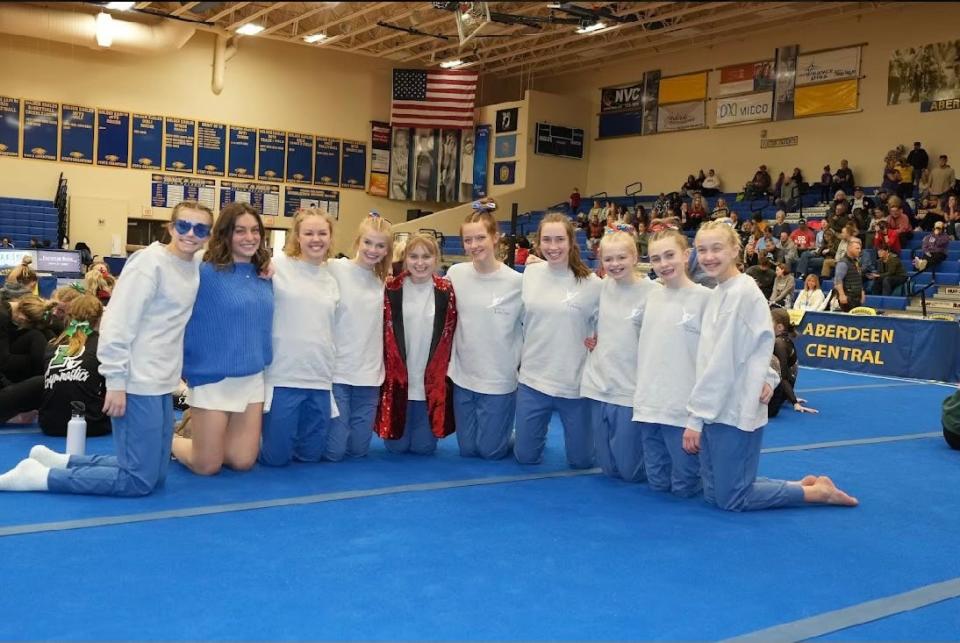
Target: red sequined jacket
392	409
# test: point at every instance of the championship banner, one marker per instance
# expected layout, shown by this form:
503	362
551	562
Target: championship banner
894	346
651	89
379	158
481	156
614	99
748	77
786	75
828	98
682	89
680	116
744	109
9	126
826	66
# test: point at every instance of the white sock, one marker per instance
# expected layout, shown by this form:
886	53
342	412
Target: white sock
49	457
29	475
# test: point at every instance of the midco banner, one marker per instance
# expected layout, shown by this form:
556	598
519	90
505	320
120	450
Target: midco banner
745	109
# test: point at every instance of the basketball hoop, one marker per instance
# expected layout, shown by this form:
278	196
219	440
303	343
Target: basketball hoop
471	18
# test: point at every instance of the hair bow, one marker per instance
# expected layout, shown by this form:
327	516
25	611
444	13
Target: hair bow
620	227
374	214
484	205
74	327
79	287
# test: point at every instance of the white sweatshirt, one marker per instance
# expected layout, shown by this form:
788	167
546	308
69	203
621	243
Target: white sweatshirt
358	331
305	298
141	335
489	335
559	312
810	300
611	367
667	356
733	359
419	308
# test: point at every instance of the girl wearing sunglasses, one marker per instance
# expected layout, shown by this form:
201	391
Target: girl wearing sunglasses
141	355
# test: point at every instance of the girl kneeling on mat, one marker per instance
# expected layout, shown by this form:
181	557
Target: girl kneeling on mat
299	381
141	355
419	319
734	382
611	369
228	346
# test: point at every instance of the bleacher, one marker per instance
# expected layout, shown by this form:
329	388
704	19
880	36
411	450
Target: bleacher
24	219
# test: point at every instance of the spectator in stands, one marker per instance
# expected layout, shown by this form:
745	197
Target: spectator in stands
826	183
781	179
942	178
919	160
890	273
886	236
764	274
751	257
860	220
803	237
595	210
782	293
788	251
789	195
575	201
768	244
711	184
660	206
608	210
860	200
898	220
6	243
951	214
905	186
928	213
643	240
759	185
720	210
759	224
843	178
734	220
933	251
522	252
642	216
848	282
848	232
840	217
923	183
45	243
840	197
827	242
745	229
811	297
780	224
797	176
785	355
34	243
689	187
698	212
701	177
594	232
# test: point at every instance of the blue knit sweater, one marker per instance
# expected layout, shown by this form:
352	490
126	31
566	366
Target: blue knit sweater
230	331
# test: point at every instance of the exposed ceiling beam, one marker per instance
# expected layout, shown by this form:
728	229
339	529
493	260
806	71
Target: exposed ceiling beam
273	6
231	7
142	5
297	18
185	8
358	47
375	6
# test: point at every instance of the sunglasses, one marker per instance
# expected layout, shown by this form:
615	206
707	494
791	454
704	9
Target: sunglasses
200	230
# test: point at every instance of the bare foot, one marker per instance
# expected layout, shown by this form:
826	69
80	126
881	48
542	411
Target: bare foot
808	481
824	491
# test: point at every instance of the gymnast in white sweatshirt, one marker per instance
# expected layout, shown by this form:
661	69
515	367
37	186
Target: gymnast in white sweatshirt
727	409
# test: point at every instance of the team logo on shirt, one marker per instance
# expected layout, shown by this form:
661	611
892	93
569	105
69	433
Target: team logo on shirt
635	314
65	368
684	318
569	299
496	305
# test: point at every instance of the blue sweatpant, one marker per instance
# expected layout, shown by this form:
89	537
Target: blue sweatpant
729	459
484	422
669	467
142	438
417	436
618	441
350	433
296	427
534	410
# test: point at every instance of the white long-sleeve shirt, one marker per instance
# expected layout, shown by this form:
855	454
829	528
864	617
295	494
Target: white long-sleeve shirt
810	300
667	354
611	367
733	358
419	309
141	335
358	330
559	312
305	299
489	335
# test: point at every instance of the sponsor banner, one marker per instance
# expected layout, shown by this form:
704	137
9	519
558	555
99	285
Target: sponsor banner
785	84
682	89
827	98
380	143
679	116
614	99
940	105
748	77
745	109
826	66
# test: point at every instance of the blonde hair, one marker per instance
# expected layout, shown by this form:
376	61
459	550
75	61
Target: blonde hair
94	281
621	237
378	225
23	275
484	217
190	205
399	249
427	241
725	228
575	263
669	233
35	311
291	246
85	308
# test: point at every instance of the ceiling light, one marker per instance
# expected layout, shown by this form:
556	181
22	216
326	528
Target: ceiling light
316	37
554	5
121	6
450	64
104	29
250	29
597	26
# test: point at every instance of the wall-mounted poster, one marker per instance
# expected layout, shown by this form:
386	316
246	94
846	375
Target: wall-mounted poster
507	120
466	164
9	126
76	134
180	135
618	99
924	74
167	191
265	198
400	149
448	188
300	158
271	153
113	138
242	161
745	108
506	147
745	78
324	200
147	142
327	170
379	158
504	173
680	116
683	88
826	98
353	168
211	148
425	158
786	75
481	156
828	66
41	124
651	91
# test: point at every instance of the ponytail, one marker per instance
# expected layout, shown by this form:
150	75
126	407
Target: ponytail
85	314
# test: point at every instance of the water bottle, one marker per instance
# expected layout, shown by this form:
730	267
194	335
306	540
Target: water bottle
77	429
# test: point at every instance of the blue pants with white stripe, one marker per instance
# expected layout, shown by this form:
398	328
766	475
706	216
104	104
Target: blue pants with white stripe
296	427
142	438
618	441
417	436
350	433
484	422
534	410
669	467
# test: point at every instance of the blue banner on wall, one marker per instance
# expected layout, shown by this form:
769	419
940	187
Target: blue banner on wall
211	148
243	152
326	200
263	197
166	191
76	134
300	158
896	346
271	150
147	142
481	156
180	136
9	126
327	171
113	138
41	124
353	171
621	124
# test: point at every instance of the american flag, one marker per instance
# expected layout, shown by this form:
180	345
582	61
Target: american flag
428	98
